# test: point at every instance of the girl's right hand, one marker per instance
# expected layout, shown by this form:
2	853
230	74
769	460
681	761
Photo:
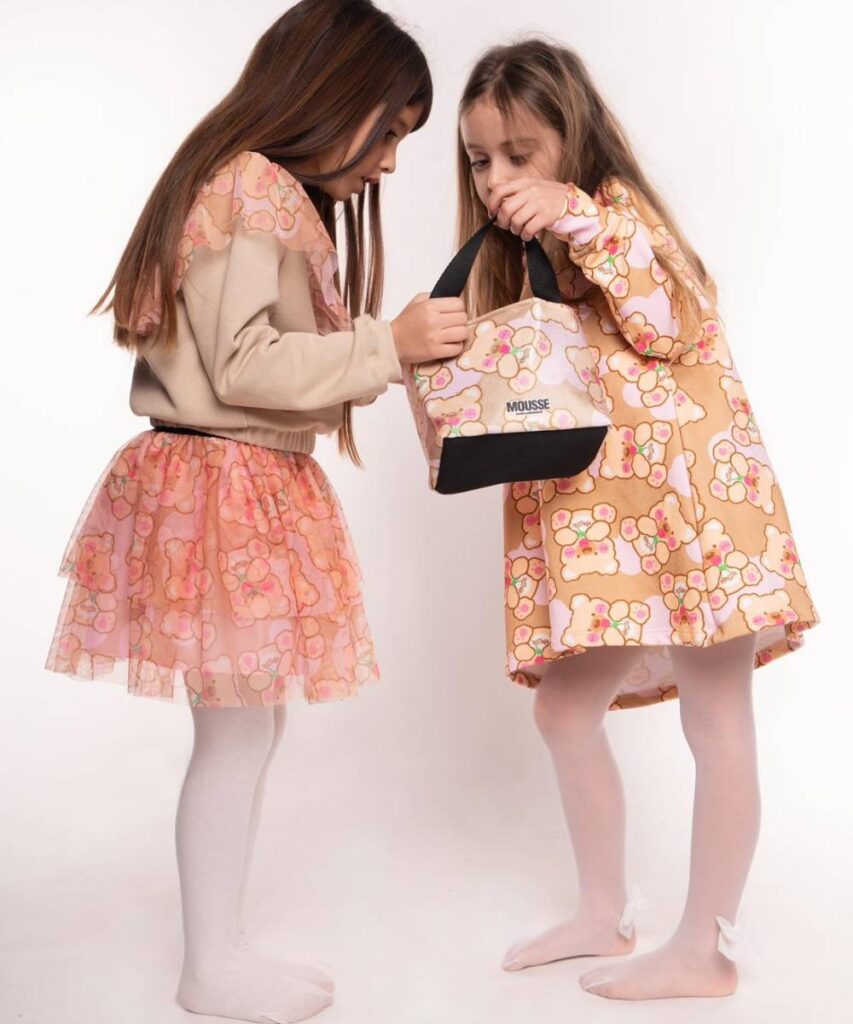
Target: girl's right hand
430	329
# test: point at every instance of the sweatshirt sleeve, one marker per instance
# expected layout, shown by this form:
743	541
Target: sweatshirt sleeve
229	295
611	239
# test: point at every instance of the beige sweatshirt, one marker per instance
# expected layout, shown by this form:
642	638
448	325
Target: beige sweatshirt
250	362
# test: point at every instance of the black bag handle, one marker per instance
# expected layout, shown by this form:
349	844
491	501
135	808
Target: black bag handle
543	280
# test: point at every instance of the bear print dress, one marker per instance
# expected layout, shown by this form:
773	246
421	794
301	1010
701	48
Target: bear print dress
677	533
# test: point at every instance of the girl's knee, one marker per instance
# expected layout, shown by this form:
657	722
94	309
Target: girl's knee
562	720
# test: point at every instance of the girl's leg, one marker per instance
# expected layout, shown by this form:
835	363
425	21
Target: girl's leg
279	721
716	713
220	977
570	705
313	974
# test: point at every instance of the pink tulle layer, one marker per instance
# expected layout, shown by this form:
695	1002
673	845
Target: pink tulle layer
216	572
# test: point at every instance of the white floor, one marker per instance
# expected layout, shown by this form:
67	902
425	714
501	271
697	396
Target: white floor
406	876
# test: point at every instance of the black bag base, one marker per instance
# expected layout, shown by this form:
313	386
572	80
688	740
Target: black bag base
468	463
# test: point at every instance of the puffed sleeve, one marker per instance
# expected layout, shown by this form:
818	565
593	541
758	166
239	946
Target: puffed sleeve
610	239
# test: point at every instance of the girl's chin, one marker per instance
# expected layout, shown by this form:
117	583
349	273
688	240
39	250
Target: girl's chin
341	191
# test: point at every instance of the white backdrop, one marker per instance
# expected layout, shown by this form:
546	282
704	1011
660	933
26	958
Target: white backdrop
411	834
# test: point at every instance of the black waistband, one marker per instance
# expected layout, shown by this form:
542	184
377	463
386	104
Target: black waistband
186	430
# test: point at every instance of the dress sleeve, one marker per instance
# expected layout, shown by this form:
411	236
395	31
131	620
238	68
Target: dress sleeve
611	239
230	294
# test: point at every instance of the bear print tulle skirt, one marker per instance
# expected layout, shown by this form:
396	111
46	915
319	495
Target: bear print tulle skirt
215	572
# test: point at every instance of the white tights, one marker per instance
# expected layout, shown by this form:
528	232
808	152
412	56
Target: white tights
215	831
715	702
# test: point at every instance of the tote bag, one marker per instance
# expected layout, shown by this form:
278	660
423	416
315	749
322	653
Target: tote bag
511	405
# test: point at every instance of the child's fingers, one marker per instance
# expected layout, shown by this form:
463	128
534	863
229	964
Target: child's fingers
534	226
454	319
507	188
523	216
453	335
449	304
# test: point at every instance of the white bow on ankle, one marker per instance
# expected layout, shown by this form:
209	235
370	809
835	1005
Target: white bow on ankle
735	942
636	902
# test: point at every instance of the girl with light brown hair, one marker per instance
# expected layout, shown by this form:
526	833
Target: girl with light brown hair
667	569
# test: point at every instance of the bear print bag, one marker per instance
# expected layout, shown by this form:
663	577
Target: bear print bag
512	406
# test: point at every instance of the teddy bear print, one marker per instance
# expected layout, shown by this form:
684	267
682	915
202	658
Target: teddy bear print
434	376
637	451
686	410
515	354
606	258
780	555
186	576
595	623
656	535
644	337
682	596
525	496
653	380
561	314
708	348
763	610
584	539
738	478
179	482
745	430
532	646
522	577
580	483
585	359
458	416
254	587
726	570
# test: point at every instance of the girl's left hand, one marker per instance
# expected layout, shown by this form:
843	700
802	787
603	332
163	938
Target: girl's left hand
528	205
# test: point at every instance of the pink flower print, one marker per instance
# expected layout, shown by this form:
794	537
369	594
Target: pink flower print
254	590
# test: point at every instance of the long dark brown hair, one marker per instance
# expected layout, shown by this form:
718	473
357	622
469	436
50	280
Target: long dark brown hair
548	82
311	80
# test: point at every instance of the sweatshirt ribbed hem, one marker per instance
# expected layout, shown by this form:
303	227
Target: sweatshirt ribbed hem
299	441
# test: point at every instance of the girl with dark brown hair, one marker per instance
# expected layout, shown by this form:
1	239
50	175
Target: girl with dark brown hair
212	562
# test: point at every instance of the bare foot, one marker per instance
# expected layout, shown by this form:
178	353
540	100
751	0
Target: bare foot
236	986
667	971
576	937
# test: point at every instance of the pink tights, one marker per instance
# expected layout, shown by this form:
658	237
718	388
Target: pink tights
717	718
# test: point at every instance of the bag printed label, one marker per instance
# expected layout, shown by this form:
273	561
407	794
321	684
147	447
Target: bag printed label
524	367
523	406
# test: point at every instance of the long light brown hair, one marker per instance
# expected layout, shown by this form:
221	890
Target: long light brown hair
538	79
311	80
